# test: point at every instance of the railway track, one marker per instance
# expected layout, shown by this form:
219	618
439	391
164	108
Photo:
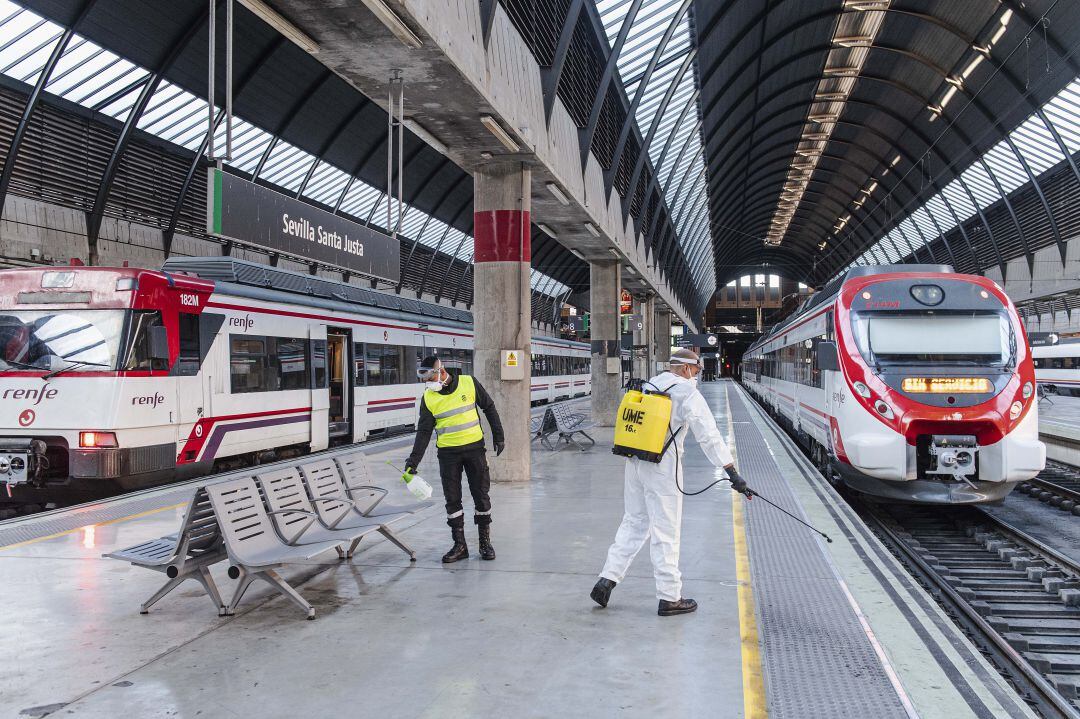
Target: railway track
1058	485
1017	599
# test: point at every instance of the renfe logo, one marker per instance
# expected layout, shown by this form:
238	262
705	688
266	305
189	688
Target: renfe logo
189	300
43	392
245	323
151	400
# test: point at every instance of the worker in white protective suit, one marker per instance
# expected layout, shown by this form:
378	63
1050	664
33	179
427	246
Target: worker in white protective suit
653	499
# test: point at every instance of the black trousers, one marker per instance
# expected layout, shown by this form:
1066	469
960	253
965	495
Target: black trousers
474	463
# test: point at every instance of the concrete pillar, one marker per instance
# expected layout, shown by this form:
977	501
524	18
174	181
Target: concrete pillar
662	336
502	310
644	364
604	331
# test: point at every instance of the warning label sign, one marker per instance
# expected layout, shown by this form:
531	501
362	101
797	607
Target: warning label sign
513	365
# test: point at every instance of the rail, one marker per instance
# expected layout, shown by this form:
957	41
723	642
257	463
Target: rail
999	584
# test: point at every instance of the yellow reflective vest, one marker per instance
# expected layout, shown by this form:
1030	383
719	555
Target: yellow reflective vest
457	422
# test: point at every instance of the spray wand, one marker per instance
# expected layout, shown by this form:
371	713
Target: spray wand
750	493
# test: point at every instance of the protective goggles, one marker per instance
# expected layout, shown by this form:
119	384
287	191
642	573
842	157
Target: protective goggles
693	363
428	374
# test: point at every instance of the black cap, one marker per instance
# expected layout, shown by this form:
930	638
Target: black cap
429	362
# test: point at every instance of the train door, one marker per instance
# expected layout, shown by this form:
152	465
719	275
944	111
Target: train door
320	390
199	361
338	366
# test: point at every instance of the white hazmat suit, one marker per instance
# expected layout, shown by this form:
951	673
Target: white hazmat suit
653	502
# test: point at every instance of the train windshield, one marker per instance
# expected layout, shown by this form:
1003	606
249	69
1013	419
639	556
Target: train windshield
924	338
74	340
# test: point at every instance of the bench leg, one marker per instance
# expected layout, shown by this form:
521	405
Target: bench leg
285	588
579	445
352	548
246	578
207	580
202	576
273	579
385	531
165	589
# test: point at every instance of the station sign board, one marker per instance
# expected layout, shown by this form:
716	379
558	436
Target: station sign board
256	215
696	340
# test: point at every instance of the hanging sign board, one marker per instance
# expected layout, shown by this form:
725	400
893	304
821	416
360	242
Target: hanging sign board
692	340
626	302
256	215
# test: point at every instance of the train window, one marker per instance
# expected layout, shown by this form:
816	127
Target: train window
539	366
187	364
55	340
413	357
247	360
383	365
289	361
137	352
359	375
268	364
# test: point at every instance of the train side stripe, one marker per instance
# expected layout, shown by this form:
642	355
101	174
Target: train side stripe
221	430
205	428
330	319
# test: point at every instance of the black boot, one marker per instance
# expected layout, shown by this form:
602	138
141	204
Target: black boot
601	593
670	609
486	550
460	550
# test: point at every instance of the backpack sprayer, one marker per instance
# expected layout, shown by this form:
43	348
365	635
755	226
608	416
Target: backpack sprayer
414	483
643	431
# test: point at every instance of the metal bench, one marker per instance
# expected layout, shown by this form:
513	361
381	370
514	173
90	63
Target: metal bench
366	498
296	517
568	424
356	476
252	541
187	554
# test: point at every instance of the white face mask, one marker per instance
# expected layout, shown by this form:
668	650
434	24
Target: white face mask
434	386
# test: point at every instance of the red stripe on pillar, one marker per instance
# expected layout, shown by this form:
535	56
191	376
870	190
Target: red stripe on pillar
502	236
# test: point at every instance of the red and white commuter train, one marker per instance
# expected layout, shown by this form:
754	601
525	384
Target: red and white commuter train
120	378
911	382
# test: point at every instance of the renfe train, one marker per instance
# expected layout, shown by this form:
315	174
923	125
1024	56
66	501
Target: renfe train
909	382
1057	363
121	378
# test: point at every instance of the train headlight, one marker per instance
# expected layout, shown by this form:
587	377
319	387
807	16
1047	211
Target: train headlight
1016	409
928	294
94	440
5	463
1028	390
883	409
862	390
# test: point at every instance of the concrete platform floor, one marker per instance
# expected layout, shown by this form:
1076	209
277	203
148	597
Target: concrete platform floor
514	637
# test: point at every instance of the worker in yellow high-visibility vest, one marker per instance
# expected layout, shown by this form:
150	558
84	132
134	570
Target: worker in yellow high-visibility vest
449	408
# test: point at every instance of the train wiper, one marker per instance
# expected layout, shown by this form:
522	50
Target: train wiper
21	365
72	366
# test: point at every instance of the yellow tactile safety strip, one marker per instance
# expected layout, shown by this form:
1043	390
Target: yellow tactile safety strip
753	684
754	706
